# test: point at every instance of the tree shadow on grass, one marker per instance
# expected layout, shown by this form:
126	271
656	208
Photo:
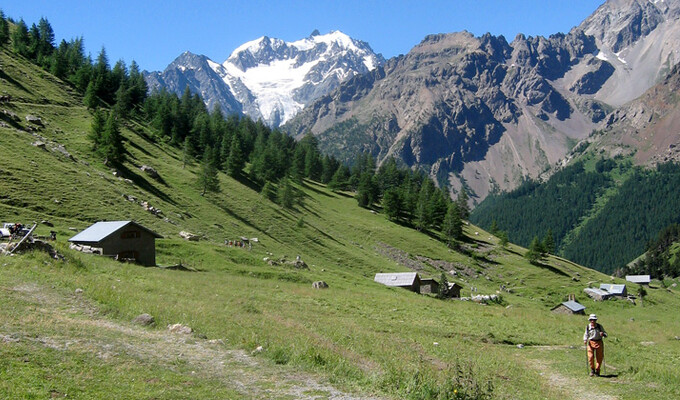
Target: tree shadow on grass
549	268
14	82
144	184
305	185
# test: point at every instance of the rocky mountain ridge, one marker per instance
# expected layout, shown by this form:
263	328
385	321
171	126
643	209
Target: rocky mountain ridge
268	78
482	113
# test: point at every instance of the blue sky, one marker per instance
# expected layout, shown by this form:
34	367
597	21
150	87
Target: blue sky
154	32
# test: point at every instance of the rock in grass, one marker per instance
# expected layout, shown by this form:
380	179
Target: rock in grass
320	285
189	236
144	320
179	328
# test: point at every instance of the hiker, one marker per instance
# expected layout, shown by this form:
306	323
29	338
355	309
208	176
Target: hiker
592	338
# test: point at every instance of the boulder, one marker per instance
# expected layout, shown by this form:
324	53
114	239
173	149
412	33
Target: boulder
320	285
179	328
34	120
150	171
189	236
144	320
299	264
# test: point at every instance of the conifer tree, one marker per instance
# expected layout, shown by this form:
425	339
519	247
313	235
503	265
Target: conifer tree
494	227
236	160
366	191
286	194
549	242
90	99
423	211
503	238
298	166
443	286
463	205
4	29
329	166
340	179
20	38
208	179
187	151
111	144
452	227
96	129
534	252
313	166
392	204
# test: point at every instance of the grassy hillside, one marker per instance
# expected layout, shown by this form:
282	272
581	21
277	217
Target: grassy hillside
260	330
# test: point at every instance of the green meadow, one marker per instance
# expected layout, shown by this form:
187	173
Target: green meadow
261	330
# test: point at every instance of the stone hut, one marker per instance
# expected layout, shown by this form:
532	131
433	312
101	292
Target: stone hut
429	285
123	240
406	280
615	290
597	294
569	307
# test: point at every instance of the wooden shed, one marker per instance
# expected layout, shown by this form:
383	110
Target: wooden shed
569	307
454	290
123	240
429	285
406	280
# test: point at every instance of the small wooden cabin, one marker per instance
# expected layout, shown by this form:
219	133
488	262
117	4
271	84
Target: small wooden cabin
454	290
123	240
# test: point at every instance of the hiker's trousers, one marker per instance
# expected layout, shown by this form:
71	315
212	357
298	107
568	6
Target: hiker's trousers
595	354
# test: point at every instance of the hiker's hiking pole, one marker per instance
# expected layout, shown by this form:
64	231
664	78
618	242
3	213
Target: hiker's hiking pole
587	360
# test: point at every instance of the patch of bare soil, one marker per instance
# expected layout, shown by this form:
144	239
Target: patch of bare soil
420	263
253	378
572	388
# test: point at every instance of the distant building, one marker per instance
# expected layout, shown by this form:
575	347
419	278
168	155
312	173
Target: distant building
614	290
597	294
429	285
406	280
454	290
569	307
123	240
639	279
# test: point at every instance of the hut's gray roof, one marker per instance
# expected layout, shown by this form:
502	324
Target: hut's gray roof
597	292
573	306
613	289
638	278
397	278
101	230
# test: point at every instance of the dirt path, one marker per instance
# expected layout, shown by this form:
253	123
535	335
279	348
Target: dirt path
253	378
577	389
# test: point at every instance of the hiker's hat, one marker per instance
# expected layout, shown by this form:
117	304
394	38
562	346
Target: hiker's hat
592	317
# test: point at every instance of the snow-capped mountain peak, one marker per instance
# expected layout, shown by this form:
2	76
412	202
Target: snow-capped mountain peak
273	79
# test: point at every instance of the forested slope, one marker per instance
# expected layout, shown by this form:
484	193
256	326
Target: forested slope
602	214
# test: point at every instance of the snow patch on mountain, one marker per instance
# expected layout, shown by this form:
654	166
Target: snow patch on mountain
268	78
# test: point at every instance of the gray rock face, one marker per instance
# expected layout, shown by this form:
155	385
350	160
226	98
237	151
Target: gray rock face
486	113
194	71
